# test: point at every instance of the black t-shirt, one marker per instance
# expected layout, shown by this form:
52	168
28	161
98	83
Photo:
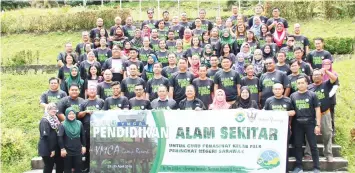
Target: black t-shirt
191	104
185	24
116	76
284	68
153	85
211	73
289	54
301	41
322	92
67	102
293	81
171	45
138	63
71	145
228	81
102	54
282	104
168	72
116	103
193	51
129	31
251	20
135	104
52	96
104	90
204	89
167	104
84	68
128	84
144	54
267	80
179	81
315	58
150	23
163	58
305	68
253	85
305	104
90	105
176	29
271	20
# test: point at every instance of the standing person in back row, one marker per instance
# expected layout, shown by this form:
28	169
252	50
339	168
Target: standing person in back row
179	81
268	79
95	32
322	90
307	121
53	95
228	80
258	11
272	22
316	57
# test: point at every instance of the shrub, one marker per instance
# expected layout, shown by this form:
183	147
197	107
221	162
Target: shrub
23	57
337	45
61	20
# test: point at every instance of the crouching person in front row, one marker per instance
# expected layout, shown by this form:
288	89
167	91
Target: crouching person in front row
71	139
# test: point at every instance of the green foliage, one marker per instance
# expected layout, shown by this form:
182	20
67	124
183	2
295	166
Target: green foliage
344	114
60	19
337	45
20	118
23	57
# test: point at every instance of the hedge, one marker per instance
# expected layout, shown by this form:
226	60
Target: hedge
336	45
62	20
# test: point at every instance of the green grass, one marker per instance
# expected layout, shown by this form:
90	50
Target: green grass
345	119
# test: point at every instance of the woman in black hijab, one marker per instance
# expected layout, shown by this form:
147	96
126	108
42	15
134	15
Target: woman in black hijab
244	101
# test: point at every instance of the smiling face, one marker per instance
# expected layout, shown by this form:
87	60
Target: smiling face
93	70
220	96
71	116
74	72
244	94
53	84
190	92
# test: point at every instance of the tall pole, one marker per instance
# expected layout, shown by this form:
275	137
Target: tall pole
140	9
198	7
178	7
102	3
158	8
239	10
219	8
120	3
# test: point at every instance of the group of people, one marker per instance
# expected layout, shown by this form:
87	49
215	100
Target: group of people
253	63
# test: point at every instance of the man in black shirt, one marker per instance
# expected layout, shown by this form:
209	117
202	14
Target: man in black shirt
281	63
316	57
300	40
211	72
169	70
163	101
104	88
179	81
191	102
129	28
133	59
150	22
258	11
306	122
203	86
154	83
272	22
228	80
279	102
95	32
62	55
73	100
289	49
184	22
322	89
86	109
295	73
80	48
268	79
130	82
53	95
304	67
139	102
117	101
251	82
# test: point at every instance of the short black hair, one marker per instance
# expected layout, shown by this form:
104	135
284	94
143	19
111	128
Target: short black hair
297	48
319	38
73	85
282	52
275	8
293	61
302	77
227	58
150	9
291	36
165	12
115	83
247	65
268	34
139	84
183	59
203	65
53	78
133	49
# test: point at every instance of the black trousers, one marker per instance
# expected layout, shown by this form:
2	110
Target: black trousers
48	164
86	164
299	130
72	162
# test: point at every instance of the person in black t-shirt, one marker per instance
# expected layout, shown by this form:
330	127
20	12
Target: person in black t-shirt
322	90
272	22
91	104
268	79
53	95
163	101
169	70
139	102
316	57
117	101
245	101
48	147
228	80
211	72
154	83
73	100
191	102
300	40
72	142
295	73
150	22
128	83
281	63
179	81
258	11
203	86
304	67
306	122
251	82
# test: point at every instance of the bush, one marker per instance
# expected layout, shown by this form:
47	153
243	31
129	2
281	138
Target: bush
23	57
337	45
63	20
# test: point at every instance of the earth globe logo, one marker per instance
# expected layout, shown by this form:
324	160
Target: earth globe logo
269	159
240	117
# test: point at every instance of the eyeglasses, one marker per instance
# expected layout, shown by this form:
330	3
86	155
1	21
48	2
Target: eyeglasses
150	13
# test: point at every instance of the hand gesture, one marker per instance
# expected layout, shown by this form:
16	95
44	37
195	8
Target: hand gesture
63	153
52	154
317	130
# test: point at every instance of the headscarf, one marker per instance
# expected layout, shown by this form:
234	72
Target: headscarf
226	40
194	68
325	76
206	57
256	28
239	66
71	127
246	56
52	119
267	55
71	79
219	104
116	36
146	34
279	36
245	104
149	67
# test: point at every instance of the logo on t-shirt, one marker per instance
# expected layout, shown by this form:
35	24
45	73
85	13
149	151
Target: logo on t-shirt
302	104
227	82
